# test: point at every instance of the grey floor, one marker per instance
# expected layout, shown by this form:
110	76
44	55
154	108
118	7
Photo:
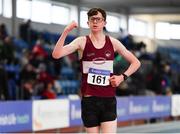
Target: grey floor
164	127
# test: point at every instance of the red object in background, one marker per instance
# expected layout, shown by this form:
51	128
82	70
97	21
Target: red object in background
48	94
45	77
38	50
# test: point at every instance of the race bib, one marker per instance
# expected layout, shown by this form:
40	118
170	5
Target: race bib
98	77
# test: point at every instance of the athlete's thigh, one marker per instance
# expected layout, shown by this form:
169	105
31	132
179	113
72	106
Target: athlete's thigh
92	129
109	126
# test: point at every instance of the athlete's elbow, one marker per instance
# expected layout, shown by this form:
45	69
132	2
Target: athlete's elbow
138	63
55	55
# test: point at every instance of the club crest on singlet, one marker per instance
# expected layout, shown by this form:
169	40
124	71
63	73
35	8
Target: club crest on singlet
107	54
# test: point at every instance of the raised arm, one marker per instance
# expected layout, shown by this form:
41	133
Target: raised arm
60	50
134	62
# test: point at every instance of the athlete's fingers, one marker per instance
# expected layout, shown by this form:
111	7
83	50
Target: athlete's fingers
113	83
71	26
112	78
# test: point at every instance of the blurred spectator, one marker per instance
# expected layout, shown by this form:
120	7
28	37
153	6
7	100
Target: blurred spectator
12	85
25	31
1	50
141	49
57	87
157	60
166	80
27	73
153	80
3	84
39	55
3	31
26	54
43	75
123	33
27	89
28	77
38	49
177	85
48	92
136	84
159	79
8	50
128	41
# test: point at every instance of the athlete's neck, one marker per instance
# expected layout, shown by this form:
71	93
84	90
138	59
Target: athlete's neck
98	37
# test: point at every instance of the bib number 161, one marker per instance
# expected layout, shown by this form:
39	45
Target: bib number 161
98	77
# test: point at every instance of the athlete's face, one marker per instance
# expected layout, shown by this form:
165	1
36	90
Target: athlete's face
96	22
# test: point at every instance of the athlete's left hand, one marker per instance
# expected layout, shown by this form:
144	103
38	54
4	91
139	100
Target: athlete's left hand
115	80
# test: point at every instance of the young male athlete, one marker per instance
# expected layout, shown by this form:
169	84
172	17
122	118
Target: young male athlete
96	54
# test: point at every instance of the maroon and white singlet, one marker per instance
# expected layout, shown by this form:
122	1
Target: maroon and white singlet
97	67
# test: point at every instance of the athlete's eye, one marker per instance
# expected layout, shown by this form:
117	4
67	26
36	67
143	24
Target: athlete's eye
97	19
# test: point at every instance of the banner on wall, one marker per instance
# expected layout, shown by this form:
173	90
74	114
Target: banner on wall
175	105
15	116
122	108
75	112
50	114
149	107
161	106
139	107
27	116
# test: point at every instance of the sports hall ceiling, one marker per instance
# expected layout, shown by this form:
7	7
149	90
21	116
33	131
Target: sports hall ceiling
131	6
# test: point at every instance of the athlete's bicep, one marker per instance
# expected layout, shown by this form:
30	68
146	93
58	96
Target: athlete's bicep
71	47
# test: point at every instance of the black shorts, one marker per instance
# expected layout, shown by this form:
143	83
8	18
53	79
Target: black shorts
98	109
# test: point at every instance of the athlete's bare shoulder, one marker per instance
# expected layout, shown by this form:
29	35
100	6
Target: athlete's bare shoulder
81	41
117	45
113	40
81	38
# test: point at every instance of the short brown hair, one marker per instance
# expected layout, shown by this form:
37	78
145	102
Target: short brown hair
94	11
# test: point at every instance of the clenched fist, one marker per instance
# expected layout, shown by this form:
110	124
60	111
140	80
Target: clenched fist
71	26
115	80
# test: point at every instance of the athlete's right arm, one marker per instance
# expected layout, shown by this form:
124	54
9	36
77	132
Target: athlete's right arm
60	50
